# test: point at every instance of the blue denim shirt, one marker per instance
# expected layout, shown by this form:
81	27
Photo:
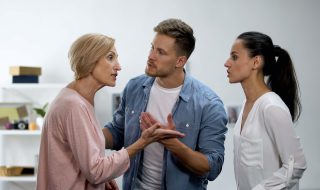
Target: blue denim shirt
198	113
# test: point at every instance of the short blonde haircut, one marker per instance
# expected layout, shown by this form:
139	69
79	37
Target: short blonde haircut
181	32
86	51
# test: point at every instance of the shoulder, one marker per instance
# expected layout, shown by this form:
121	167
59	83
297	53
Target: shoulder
273	106
137	84
70	97
271	100
138	81
202	90
68	101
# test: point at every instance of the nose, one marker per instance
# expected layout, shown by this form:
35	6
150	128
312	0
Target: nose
117	66
227	63
151	55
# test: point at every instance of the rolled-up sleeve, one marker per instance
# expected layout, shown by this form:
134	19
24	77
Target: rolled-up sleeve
212	136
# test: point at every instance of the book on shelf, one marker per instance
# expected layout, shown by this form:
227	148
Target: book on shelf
24	70
25	79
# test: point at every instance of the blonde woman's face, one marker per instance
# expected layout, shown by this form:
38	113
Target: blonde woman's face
106	69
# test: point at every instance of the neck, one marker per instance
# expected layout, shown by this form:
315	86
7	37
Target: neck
86	88
171	81
253	89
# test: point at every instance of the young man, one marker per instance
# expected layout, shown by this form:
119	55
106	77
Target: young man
186	163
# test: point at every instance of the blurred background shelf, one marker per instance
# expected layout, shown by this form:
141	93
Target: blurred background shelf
32	85
31	178
20	132
21	147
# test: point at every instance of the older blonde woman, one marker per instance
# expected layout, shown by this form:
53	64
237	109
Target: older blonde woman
72	151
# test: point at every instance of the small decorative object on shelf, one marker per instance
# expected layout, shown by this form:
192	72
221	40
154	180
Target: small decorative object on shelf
10	171
16	170
41	112
25	79
8	125
23	70
15	115
32	126
21	125
23	74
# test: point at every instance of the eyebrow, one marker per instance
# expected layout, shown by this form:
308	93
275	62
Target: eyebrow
112	52
159	48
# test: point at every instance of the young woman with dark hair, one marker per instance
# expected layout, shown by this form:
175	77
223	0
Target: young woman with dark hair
267	152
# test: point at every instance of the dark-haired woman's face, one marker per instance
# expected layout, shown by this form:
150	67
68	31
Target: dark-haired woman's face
239	65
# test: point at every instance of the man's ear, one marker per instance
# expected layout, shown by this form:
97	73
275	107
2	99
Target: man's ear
181	61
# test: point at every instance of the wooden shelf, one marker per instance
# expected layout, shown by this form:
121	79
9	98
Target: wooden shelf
28	178
32	85
20	132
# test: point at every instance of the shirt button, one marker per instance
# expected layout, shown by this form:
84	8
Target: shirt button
132	112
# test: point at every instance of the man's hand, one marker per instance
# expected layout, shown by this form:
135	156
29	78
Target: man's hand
150	134
156	132
195	161
147	120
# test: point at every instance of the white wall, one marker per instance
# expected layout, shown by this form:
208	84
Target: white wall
38	32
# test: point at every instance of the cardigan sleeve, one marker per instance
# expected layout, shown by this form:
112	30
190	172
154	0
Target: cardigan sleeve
88	150
280	129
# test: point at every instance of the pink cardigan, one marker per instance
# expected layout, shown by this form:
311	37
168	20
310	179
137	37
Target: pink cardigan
72	150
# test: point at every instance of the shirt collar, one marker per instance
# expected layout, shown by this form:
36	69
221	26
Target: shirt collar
186	90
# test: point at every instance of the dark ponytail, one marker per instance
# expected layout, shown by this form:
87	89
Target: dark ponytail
283	81
278	66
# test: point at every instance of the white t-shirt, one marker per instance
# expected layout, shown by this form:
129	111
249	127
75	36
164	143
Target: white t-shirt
161	102
267	153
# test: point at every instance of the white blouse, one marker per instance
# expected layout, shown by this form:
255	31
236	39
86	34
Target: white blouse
267	152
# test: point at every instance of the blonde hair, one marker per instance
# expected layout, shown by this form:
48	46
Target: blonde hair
86	51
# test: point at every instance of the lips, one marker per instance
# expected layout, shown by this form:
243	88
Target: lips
150	64
115	76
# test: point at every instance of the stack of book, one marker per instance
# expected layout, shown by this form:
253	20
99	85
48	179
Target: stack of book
23	74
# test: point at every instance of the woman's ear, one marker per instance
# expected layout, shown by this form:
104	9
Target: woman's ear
181	61
257	62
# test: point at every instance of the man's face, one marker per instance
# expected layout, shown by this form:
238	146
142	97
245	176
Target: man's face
162	58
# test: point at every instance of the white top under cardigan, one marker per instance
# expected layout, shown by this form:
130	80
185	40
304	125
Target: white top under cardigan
267	153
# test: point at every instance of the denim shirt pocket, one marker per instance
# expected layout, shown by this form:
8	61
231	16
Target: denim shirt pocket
191	132
251	153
